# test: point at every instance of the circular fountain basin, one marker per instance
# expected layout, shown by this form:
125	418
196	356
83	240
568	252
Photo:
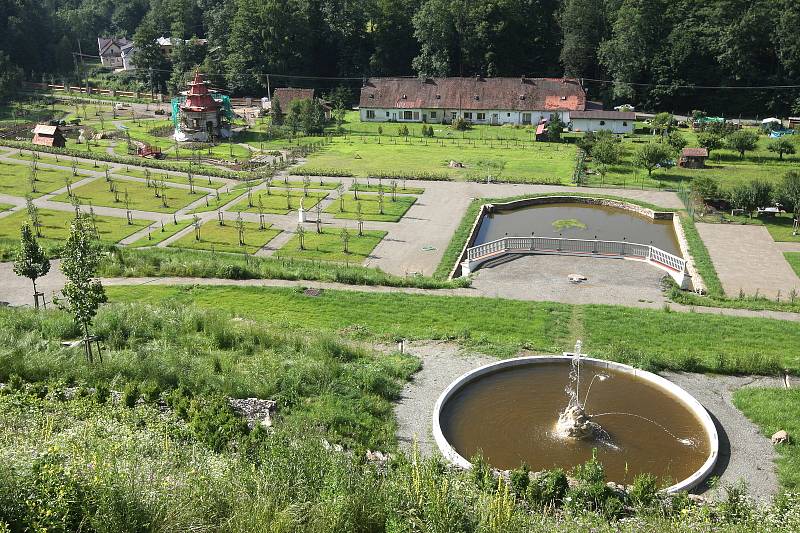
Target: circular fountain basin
508	411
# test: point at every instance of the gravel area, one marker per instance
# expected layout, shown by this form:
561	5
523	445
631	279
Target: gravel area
744	452
545	277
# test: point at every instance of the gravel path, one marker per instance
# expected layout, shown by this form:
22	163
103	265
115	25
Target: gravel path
745	454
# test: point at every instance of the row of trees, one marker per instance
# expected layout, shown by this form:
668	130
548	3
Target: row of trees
749	196
657	53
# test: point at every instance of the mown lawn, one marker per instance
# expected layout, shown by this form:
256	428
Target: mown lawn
420	158
6	207
216	200
214	237
724	165
64	161
329	246
393	210
140	196
161	233
314	183
199	181
15	179
774	410
385	186
793	258
651	339
55	226
279	202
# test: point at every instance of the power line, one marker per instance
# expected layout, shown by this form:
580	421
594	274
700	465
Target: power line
669	86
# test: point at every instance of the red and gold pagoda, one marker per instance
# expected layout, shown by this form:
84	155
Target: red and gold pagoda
201	117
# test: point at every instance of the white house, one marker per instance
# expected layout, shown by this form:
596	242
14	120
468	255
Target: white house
596	120
110	50
128	51
478	100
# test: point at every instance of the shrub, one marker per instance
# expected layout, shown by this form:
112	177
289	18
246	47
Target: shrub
644	491
461	124
548	490
214	422
520	479
402	131
130	394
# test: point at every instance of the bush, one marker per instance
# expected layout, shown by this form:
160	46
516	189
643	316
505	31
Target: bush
214	423
643	493
402	131
461	124
130	394
548	490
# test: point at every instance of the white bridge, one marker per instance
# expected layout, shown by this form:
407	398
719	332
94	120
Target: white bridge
675	266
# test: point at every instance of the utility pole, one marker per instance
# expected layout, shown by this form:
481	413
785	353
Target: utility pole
269	95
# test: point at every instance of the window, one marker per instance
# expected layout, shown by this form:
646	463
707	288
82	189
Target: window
433	114
468	115
481	116
407	115
416	115
370	113
453	114
387	114
602	122
508	114
624	123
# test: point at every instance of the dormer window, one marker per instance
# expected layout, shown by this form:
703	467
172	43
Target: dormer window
477	97
372	96
404	97
563	97
522	97
438	96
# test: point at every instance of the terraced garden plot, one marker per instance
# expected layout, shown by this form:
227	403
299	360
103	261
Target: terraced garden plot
55	226
329	246
279	202
140	197
393	210
214	237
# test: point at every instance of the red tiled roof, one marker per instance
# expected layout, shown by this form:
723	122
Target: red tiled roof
198	98
286	94
513	94
604	115
694	152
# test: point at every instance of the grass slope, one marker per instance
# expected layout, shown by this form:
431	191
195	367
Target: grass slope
393	210
648	338
55	226
140	196
161	233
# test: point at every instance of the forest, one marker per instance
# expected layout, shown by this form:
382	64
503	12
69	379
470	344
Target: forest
733	57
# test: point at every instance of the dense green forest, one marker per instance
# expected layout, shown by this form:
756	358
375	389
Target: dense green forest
664	54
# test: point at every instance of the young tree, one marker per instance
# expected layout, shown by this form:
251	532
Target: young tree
676	141
742	141
318	212
650	156
606	152
84	294
240	228
31	261
662	123
360	218
710	141
345	236
33	215
277	113
555	129
781	146
301	236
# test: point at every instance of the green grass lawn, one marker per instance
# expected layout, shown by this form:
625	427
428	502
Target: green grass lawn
652	339
160	233
225	238
14	179
216	200
199	181
55	226
793	258
140	196
386	186
724	165
328	246
393	211
141	132
63	161
774	410
537	163
279	202
315	183
6	207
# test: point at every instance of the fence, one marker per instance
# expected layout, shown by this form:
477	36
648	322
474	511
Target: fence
481	253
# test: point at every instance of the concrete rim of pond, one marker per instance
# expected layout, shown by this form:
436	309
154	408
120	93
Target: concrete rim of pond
681	395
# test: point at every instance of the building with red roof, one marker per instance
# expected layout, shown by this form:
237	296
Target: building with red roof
45	135
200	116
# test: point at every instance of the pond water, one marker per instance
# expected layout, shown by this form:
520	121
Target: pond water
579	221
510	416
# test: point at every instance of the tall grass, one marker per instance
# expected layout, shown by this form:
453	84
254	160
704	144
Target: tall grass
123	262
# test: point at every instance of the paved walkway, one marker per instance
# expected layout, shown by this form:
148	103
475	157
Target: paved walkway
747	259
788	246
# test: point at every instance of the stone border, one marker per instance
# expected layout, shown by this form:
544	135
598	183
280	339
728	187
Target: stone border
688	400
542	200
